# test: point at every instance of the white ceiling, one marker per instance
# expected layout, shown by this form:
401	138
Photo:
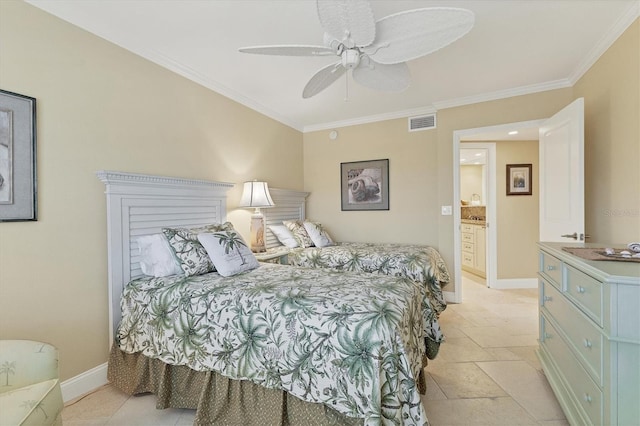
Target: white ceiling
516	47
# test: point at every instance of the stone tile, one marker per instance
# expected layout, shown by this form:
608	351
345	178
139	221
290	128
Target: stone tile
477	411
95	408
465	380
527	386
141	410
528	353
495	337
461	349
433	390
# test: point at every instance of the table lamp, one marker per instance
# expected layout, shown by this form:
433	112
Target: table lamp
256	194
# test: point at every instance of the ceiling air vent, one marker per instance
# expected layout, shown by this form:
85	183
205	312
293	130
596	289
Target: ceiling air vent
423	122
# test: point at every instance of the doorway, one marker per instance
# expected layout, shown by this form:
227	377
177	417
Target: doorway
527	130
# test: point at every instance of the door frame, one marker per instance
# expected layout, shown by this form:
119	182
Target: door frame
492	261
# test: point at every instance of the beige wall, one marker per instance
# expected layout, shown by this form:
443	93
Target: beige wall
517	215
420	168
413	171
611	89
101	107
422	178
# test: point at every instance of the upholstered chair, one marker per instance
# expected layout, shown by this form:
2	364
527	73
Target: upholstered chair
29	385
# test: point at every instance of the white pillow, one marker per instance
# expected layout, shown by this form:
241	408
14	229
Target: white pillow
318	234
283	235
156	257
228	252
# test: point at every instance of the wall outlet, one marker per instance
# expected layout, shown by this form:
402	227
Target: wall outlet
447	211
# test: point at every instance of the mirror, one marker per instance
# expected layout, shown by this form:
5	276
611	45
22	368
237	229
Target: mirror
473	177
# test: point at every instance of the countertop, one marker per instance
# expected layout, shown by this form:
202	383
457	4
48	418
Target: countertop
474	221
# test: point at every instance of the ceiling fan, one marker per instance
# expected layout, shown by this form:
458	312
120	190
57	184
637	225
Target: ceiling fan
375	52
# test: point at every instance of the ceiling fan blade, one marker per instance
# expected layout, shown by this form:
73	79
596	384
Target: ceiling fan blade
289	50
323	79
388	78
414	33
344	19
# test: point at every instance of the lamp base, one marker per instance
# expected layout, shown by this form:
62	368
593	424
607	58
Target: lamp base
257	233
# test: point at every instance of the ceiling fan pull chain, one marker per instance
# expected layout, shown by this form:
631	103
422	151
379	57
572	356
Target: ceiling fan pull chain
346	87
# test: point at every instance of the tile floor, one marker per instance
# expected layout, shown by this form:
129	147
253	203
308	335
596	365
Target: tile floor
486	373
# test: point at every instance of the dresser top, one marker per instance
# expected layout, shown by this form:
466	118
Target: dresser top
604	270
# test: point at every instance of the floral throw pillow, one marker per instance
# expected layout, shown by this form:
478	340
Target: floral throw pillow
318	234
193	258
299	233
228	252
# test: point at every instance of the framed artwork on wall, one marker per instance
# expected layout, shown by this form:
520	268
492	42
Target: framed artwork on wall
519	179
365	185
18	198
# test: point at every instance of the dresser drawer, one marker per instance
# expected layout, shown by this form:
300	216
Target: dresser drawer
467	259
584	337
585	291
551	268
466	237
468	247
585	392
465	227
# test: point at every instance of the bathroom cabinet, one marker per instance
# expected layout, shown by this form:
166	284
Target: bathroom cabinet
474	248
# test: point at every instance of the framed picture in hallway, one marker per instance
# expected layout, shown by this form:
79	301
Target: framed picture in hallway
17	157
365	185
519	179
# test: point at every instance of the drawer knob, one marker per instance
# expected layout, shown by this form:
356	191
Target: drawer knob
547	335
550	267
587	343
587	398
548	298
581	289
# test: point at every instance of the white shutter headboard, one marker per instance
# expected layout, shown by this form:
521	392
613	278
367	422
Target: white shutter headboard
144	204
289	205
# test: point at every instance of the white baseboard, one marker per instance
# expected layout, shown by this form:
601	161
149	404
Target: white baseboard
514	283
84	383
450	297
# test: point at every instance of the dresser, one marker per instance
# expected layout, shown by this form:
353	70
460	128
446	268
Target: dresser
473	247
590	335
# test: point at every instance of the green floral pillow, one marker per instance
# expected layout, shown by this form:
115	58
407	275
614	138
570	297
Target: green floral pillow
299	233
228	252
318	234
193	258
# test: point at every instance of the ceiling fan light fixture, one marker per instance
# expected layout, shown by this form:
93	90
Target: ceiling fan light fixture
352	34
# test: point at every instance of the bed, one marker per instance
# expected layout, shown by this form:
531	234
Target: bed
419	263
275	344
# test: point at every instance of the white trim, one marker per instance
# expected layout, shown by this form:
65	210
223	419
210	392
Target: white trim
450	297
514	283
134	196
605	42
370	119
503	94
84	383
492	265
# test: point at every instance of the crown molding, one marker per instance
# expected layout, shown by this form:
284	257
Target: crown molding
370	119
503	94
605	42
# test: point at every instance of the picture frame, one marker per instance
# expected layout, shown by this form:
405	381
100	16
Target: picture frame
365	185
18	185
519	179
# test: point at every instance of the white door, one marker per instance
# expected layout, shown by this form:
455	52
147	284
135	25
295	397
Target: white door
562	175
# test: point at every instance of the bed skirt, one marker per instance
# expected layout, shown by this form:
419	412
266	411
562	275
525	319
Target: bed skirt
217	399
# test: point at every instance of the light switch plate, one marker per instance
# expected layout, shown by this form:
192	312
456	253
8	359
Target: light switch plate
447	211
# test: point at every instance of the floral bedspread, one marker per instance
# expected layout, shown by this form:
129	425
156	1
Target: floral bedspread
419	263
343	339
